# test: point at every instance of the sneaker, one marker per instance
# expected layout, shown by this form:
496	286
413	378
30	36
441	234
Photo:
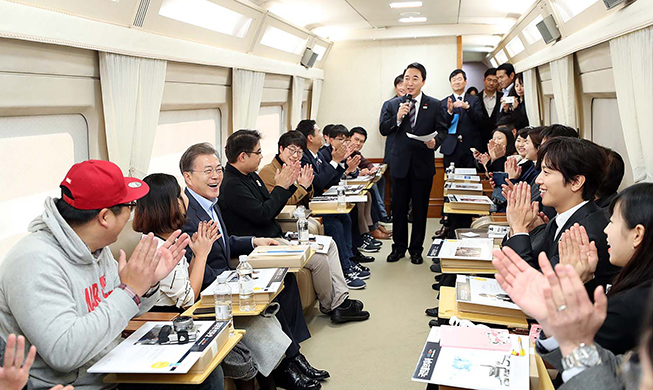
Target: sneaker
361	258
371	240
387	219
368	247
361	267
353	282
362	274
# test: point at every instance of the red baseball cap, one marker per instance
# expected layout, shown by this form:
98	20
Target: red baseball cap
98	184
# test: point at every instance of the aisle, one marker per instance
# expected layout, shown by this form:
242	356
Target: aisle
381	352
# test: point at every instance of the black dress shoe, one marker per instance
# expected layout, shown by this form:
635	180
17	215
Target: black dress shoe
432	312
394	256
292	378
349	313
435	268
442	233
357	304
416	258
361	258
308	370
434	322
436	286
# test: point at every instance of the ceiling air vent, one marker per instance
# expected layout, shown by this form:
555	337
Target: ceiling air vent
140	14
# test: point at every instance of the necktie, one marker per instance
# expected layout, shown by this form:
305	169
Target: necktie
412	114
454	124
460	98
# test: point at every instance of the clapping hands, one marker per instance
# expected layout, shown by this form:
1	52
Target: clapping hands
576	250
521	212
288	175
512	168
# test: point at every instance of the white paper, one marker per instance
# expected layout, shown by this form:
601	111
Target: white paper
467	249
484	291
470	234
465	171
423	138
134	357
262	278
321	244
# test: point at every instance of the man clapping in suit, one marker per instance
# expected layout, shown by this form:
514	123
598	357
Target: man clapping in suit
412	162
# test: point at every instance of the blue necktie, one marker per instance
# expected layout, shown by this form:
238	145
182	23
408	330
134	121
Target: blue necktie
454	122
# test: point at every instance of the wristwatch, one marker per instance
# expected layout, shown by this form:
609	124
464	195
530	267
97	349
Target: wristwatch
583	356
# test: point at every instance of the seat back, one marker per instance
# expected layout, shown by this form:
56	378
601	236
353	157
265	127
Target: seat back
127	241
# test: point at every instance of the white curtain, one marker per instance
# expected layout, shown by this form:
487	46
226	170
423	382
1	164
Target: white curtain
315	98
532	98
564	90
296	100
246	92
132	90
632	66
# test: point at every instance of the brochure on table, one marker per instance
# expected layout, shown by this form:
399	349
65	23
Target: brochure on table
465	249
141	353
482	291
266	281
319	243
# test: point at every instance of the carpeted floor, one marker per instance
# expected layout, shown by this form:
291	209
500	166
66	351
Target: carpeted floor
379	353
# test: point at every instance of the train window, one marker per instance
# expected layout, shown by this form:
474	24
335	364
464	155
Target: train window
37	151
501	57
515	46
206	14
177	130
607	131
570	8
270	124
282	40
531	33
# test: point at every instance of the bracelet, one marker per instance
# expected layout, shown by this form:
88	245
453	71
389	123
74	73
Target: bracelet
132	294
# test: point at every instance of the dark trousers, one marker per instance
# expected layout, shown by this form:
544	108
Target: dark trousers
461	157
405	190
215	381
291	315
338	227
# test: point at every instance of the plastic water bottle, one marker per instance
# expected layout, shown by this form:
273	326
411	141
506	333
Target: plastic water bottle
222	297
342	199
245	285
451	169
302	225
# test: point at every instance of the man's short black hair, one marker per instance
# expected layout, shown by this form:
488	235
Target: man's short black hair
327	129
358	130
399	79
559	130
292	137
418	66
574	157
77	217
338	130
490	72
239	142
306	127
507	121
523	133
614	174
457	72
506	67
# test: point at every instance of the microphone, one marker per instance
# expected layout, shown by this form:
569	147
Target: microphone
409	98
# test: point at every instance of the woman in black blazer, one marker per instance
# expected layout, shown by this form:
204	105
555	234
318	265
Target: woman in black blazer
501	145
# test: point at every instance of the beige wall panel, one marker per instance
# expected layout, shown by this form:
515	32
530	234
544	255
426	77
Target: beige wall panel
182	96
545	72
273	95
359	78
547	88
278	81
199	74
594	58
598	82
31	57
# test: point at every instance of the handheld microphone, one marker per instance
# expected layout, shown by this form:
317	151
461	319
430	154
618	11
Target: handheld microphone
409	98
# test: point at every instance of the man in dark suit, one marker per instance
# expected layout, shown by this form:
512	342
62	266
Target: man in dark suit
399	92
412	162
490	98
203	174
571	173
466	129
248	207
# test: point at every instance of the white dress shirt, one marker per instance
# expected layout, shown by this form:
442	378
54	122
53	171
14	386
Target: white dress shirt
562	218
489	102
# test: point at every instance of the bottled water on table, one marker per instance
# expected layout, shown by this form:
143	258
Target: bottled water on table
342	199
245	285
222	297
302	225
451	169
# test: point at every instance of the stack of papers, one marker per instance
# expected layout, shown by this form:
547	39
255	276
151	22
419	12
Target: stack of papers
267	281
484	296
469	253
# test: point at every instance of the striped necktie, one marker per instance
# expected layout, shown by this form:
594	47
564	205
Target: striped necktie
412	114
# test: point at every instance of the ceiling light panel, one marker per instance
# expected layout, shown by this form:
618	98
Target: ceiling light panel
208	15
531	33
419	19
515	46
282	40
406	4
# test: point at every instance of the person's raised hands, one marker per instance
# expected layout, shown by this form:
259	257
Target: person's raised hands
571	317
15	373
520	211
202	240
352	163
286	176
512	168
306	176
450	106
576	250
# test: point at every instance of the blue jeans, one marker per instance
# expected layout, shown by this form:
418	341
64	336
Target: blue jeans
338	227
378	193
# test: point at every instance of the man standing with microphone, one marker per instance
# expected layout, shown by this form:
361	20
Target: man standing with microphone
412	161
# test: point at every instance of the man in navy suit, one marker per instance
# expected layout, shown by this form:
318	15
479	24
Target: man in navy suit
466	129
203	175
412	162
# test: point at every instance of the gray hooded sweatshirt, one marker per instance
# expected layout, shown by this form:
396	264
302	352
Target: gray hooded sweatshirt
64	300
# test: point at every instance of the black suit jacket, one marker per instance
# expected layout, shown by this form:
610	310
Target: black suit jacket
489	121
325	173
388	140
409	154
470	126
218	259
247	206
542	240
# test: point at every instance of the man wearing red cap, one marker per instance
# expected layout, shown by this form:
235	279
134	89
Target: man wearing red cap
61	287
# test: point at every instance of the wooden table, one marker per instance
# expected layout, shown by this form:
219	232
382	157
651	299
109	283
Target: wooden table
466	271
350	207
449	210
137	322
448	308
234	306
179	379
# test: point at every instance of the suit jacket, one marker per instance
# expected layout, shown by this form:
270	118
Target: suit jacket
223	248
248	207
528	246
301	196
324	172
470	126
406	153
489	121
388	140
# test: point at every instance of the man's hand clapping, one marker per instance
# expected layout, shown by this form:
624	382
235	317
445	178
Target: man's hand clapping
521	212
306	176
287	176
512	168
352	163
576	250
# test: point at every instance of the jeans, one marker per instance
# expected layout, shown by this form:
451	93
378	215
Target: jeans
338	227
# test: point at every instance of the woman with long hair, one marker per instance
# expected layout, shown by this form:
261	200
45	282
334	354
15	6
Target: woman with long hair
501	145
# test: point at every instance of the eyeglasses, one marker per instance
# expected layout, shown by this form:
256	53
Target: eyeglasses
210	171
258	152
294	151
131	205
